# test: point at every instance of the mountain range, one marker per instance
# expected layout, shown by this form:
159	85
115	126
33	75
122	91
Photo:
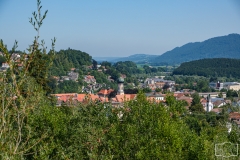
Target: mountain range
218	47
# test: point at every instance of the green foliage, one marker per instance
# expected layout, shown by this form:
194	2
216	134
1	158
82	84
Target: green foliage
68	87
158	90
2	60
231	93
23	91
106	64
127	67
196	105
113	73
147	90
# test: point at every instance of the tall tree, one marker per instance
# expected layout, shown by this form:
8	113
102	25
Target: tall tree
196	105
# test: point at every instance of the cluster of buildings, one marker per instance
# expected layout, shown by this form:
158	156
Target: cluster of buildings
101	96
210	101
154	83
225	85
15	57
71	75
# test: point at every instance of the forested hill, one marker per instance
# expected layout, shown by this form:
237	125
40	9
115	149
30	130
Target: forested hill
70	58
217	67
218	47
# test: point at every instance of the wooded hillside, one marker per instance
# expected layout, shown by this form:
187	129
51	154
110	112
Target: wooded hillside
216	67
70	58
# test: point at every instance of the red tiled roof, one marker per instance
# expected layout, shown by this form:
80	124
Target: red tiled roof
94	97
103	99
153	99
125	97
105	91
203	100
216	110
218	103
187	99
178	95
234	115
81	97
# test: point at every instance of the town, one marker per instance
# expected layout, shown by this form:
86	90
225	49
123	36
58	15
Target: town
120	80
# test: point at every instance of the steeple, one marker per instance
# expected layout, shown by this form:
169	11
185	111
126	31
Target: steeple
120	86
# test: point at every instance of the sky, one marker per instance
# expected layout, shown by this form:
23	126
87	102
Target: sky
119	28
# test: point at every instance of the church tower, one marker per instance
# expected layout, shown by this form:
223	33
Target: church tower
120	86
209	105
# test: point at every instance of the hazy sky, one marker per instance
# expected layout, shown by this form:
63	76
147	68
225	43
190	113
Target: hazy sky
106	28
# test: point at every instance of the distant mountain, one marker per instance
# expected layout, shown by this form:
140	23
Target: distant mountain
108	59
218	47
137	58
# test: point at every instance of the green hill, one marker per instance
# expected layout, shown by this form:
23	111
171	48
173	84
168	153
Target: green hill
70	58
218	67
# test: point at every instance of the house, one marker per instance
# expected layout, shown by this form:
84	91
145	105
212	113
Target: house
235	87
212	94
15	56
73	76
65	78
105	92
187	99
125	97
92	98
5	65
226	85
152	86
56	78
89	79
217	110
235	117
178	94
156	96
99	70
80	97
123	76
219	103
74	98
159	84
65	98
72	69
207	104
154	83
98	66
